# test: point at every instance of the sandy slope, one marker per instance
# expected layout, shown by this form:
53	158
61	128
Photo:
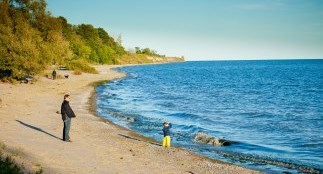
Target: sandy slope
31	131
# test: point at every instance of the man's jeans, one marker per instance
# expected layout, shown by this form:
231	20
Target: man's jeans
66	129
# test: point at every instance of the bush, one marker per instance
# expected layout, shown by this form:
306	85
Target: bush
7	165
134	59
77	72
82	66
9	80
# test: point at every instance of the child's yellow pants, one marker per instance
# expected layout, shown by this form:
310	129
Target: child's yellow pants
166	141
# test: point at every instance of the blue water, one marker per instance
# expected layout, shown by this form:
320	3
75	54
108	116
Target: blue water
272	110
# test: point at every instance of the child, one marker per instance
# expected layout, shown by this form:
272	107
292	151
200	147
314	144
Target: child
166	139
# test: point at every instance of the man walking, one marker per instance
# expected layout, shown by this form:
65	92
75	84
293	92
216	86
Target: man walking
54	74
67	114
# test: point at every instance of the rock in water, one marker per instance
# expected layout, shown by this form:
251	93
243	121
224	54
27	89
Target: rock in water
123	117
203	138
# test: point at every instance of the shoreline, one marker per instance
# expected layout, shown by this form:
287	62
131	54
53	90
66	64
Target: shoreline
136	135
32	133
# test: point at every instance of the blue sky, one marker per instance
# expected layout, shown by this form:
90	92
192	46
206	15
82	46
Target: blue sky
207	29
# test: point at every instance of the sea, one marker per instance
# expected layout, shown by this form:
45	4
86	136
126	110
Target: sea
270	110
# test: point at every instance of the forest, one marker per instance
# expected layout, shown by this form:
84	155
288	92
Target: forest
31	40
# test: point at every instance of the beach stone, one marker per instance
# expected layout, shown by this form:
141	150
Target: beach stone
204	138
123	117
130	119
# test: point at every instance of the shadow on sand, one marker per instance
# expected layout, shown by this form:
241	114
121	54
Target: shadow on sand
38	129
126	136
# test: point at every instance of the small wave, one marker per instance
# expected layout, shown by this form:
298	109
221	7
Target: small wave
168	105
107	94
284	164
133	75
145	127
251	114
137	100
188	128
312	145
122	116
186	116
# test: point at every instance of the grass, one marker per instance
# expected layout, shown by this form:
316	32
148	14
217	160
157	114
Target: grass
8	165
134	59
82	66
9	80
77	72
2	146
40	171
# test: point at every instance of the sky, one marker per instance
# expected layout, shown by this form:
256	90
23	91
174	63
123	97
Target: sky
206	29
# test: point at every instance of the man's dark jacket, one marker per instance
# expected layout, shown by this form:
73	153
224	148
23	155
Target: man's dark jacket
66	110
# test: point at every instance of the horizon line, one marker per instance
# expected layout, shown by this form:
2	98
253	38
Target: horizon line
283	59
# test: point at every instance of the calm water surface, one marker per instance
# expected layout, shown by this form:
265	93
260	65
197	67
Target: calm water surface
272	110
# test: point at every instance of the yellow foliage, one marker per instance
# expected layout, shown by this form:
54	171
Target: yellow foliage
133	59
77	72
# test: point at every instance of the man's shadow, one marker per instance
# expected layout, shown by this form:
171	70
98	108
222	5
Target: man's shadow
38	129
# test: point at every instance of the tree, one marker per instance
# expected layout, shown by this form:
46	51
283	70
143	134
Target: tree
106	39
138	50
79	47
31	39
20	48
67	29
146	51
57	48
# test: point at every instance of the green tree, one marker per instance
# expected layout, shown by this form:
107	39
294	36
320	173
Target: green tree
99	41
67	29
30	38
138	50
79	47
20	48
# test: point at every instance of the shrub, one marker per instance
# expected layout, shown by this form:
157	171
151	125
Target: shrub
77	72
81	65
7	165
134	59
9	80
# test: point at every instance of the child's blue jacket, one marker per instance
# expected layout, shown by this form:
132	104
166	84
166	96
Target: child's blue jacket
166	130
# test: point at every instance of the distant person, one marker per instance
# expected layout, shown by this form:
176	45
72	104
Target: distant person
67	115
166	131
54	74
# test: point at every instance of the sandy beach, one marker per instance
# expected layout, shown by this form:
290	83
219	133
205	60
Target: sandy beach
31	133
